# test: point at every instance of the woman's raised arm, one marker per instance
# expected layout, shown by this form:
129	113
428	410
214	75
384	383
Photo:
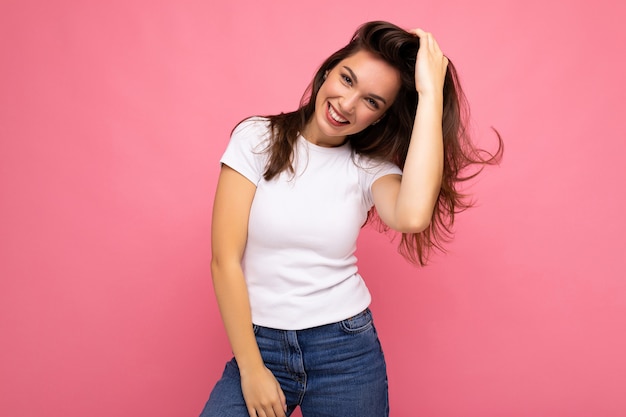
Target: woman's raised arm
406	204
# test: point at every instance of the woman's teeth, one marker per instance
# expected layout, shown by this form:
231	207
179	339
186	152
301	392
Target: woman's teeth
335	116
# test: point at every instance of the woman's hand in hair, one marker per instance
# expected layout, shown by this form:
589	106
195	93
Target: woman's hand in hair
431	65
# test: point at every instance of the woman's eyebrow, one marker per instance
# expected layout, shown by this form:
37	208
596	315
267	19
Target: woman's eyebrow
355	80
352	74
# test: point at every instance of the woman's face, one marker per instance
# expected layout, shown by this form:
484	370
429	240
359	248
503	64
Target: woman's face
356	93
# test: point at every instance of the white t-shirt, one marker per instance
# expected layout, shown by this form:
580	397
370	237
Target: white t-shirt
299	261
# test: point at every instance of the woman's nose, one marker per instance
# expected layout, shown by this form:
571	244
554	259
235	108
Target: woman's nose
348	103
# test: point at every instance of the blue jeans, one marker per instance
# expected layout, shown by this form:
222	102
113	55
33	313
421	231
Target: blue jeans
329	371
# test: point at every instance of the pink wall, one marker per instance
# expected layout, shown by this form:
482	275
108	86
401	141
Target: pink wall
112	120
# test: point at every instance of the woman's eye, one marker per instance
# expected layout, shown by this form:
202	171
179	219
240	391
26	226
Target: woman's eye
346	79
372	103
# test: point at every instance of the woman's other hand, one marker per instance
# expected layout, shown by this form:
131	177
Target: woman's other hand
262	393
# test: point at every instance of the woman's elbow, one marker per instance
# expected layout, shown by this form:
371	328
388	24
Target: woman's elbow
221	267
413	224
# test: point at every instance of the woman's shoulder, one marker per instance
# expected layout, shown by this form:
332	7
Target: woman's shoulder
251	132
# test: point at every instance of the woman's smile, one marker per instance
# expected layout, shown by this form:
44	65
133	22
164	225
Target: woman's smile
335	117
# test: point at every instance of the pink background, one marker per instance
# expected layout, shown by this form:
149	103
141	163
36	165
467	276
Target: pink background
113	116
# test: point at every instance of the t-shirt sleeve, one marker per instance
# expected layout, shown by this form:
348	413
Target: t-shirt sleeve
245	151
373	170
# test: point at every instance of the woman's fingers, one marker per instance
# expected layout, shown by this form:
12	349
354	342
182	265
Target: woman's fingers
426	38
283	399
431	65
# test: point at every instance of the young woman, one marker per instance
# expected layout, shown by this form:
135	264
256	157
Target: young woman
379	135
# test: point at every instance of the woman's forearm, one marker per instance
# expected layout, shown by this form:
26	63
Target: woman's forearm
423	169
232	298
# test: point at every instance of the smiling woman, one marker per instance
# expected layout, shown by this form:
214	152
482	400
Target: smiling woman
379	134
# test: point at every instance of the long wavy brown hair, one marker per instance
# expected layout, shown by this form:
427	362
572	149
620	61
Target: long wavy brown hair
389	139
